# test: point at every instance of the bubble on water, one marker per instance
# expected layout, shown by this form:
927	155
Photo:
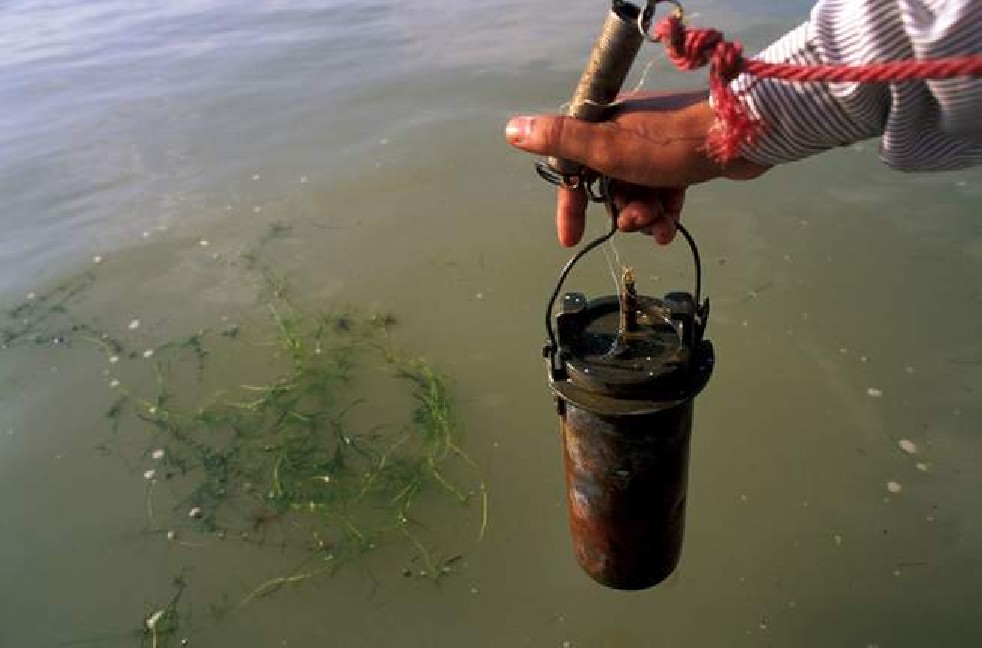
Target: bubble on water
479	296
894	487
303	179
909	369
148	353
907	446
146	235
838	540
743	498
97	259
114	383
113	359
204	243
863	358
31	295
150	474
921	466
159	453
843	351
874	392
473	590
256	176
134	324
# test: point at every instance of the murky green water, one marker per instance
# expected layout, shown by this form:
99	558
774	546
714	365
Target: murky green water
845	316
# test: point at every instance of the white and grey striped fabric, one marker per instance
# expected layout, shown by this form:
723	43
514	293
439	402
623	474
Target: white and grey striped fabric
922	126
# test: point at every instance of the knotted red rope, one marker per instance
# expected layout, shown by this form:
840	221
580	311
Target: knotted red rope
690	49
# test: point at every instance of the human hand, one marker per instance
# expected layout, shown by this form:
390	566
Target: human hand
654	146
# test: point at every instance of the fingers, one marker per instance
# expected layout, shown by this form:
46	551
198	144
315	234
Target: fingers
652	211
571	207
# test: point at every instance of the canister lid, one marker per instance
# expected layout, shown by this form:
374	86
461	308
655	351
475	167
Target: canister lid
659	362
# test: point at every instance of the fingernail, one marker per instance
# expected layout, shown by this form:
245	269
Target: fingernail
518	129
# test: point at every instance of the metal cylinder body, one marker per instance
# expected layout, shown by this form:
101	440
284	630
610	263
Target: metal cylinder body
610	61
626	484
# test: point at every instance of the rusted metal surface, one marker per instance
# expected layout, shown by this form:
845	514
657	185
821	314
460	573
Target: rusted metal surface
626	483
610	61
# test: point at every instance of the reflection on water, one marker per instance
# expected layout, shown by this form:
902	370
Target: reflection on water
835	455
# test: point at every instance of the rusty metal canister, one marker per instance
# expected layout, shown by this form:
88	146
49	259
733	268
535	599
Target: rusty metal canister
625	400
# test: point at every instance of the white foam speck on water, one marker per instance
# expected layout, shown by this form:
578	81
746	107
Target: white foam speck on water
909	369
150	474
114	383
203	243
256	176
134	324
303	179
837	539
894	487
97	259
113	359
148	353
479	296
31	295
843	351
146	235
907	446
921	466
257	209
863	359
874	392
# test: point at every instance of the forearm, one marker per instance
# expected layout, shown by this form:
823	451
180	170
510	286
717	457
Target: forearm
931	125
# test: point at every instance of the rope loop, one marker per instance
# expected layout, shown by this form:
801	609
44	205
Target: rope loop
690	49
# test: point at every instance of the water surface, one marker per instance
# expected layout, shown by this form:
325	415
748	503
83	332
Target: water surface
845	309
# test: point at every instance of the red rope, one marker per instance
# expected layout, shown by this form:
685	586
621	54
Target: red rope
693	48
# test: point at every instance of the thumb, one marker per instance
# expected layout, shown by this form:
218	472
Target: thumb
564	137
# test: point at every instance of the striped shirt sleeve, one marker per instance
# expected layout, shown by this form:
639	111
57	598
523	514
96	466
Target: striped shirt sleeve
922	125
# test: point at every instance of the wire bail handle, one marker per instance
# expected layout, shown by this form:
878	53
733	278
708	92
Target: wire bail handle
552	348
